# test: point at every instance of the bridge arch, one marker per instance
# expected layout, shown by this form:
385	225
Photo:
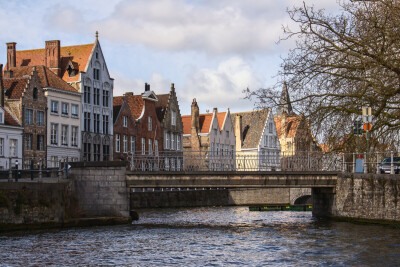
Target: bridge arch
303	200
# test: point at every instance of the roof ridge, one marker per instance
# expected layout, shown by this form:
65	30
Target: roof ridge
38	49
45	76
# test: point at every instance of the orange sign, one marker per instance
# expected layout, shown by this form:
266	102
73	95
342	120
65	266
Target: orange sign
367	126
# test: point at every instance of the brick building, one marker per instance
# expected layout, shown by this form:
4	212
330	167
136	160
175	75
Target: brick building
84	67
24	97
137	131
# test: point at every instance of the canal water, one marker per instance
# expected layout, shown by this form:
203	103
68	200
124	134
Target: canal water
209	236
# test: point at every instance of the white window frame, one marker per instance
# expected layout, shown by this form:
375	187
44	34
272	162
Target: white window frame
173	118
54	107
76	107
149	122
63	104
1	146
64	135
125	121
54	134
150	147
125	144
143	146
117	143
133	144
178	142
74	136
172	141
13	147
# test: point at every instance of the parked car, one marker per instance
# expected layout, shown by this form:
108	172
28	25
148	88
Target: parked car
385	165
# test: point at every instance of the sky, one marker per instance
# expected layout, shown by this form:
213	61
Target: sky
210	49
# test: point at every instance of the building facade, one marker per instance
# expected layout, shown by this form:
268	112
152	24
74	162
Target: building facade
211	136
257	143
83	67
25	99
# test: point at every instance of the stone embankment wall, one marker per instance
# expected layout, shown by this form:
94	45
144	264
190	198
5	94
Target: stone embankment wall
368	197
227	197
100	188
26	204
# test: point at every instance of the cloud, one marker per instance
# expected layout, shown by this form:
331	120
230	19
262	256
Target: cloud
221	87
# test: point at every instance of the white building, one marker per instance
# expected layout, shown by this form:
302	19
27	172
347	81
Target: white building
257	141
63	124
11	136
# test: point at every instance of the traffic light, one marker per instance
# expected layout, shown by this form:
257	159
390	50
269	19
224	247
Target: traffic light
357	128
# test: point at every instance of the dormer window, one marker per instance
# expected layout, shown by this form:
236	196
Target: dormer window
71	70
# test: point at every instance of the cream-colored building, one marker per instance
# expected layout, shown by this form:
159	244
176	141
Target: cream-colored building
63	125
257	144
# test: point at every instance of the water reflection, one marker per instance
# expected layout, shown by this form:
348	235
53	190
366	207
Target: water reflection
209	236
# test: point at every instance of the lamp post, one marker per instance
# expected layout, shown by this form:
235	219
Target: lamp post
16	171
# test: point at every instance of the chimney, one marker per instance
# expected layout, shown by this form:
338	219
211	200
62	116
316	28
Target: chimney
8	74
215	110
52	56
11	55
238	132
1	86
128	94
146	87
195	115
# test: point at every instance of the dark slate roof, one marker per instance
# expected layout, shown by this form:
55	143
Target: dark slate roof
253	124
161	106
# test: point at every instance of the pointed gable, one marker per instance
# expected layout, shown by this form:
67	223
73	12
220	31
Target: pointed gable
253	124
285	106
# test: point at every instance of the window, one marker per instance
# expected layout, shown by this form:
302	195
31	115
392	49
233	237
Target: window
166	145
156	147
74	136
74	110
173	118
270	127
125	121
150	147
227	134
64	108
54	107
117	143
54	134
132	144
178	142
143	146
40	142
86	95
172	141
149	123
13	147
212	148
96	96
96	74
125	144
215	131
28	141
34	95
54	161
28	116
97	55
86	151
105	124
64	135
105	98
96	125
1	146
40	118
266	141
217	148
106	152
87	121
96	152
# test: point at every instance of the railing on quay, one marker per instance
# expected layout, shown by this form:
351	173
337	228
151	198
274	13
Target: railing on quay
239	161
33	169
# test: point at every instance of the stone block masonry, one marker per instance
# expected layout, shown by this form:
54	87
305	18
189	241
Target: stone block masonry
368	197
100	188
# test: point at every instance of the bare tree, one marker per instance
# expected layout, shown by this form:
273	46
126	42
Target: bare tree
342	62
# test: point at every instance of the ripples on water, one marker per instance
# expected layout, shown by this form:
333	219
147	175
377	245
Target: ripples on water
209	236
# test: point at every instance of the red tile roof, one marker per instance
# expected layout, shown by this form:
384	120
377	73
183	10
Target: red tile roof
204	121
46	76
14	87
221	118
77	54
9	119
136	104
292	124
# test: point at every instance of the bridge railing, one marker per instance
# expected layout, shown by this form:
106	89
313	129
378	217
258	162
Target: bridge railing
372	162
230	161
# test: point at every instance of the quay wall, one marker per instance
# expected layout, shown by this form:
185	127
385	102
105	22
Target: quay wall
369	197
26	204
